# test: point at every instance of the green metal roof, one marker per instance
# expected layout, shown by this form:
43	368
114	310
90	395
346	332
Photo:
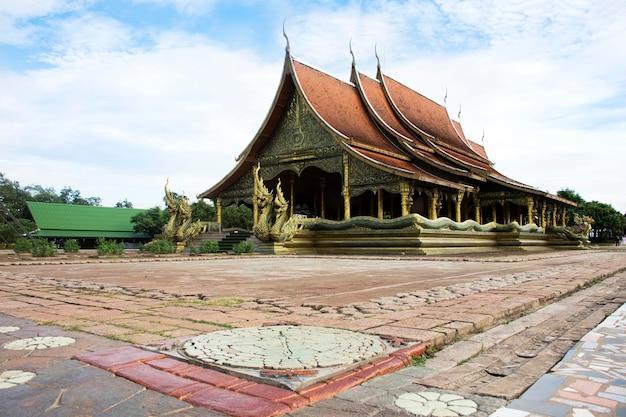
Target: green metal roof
70	220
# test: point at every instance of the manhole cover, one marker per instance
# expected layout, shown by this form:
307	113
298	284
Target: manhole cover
39	342
284	347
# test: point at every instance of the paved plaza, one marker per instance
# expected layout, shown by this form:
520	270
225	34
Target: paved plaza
503	321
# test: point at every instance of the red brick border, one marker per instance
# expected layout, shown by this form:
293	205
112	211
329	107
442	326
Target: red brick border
228	394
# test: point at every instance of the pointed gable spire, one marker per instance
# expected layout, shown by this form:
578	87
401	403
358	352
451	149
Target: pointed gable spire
287	46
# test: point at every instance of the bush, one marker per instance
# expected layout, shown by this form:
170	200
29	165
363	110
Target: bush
109	247
42	248
150	222
159	246
71	246
23	245
243	247
209	246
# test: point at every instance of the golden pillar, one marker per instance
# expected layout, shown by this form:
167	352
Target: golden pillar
544	221
494	213
255	204
405	190
218	210
530	205
435	204
379	196
476	207
457	205
554	215
346	187
564	216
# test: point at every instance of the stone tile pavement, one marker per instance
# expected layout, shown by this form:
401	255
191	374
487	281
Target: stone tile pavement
589	381
62	387
438	315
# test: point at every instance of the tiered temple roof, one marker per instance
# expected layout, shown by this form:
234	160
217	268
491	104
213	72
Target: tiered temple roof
385	124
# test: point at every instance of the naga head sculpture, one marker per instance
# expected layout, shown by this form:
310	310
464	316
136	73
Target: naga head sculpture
280	204
263	195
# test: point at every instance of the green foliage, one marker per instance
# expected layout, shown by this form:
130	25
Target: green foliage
243	247
203	211
571	195
13	198
71	246
151	221
109	247
124	204
159	246
43	248
209	246
67	195
609	223
11	231
23	244
237	216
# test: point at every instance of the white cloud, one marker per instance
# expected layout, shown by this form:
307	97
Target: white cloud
535	75
114	118
183	109
184	6
15	27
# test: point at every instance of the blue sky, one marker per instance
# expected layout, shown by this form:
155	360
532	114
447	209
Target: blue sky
113	97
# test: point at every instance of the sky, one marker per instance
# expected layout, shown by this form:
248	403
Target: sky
114	97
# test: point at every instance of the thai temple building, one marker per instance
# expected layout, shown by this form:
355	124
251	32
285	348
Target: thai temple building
376	150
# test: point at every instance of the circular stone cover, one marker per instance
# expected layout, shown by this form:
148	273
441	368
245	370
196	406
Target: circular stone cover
284	347
39	342
11	378
8	329
430	403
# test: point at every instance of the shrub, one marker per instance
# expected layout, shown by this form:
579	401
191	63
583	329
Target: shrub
243	247
71	246
109	247
42	248
209	246
159	246
23	245
150	221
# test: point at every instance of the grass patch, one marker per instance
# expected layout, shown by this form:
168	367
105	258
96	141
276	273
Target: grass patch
428	354
209	302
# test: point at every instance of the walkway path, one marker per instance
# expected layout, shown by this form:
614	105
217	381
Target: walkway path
589	381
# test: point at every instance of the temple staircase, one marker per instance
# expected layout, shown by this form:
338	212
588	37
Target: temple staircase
232	237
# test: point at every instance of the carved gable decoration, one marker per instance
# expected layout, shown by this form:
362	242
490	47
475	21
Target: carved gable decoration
364	177
298	135
240	191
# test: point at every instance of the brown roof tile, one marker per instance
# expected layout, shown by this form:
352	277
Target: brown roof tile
339	104
375	95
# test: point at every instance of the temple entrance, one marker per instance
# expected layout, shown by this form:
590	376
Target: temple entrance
314	193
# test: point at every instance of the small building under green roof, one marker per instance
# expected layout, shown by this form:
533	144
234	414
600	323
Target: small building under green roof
65	221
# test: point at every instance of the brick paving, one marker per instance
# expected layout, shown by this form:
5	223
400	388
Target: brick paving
426	312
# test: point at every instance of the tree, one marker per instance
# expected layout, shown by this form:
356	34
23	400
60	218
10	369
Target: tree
609	223
201	210
151	221
124	204
571	195
237	216
13	198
